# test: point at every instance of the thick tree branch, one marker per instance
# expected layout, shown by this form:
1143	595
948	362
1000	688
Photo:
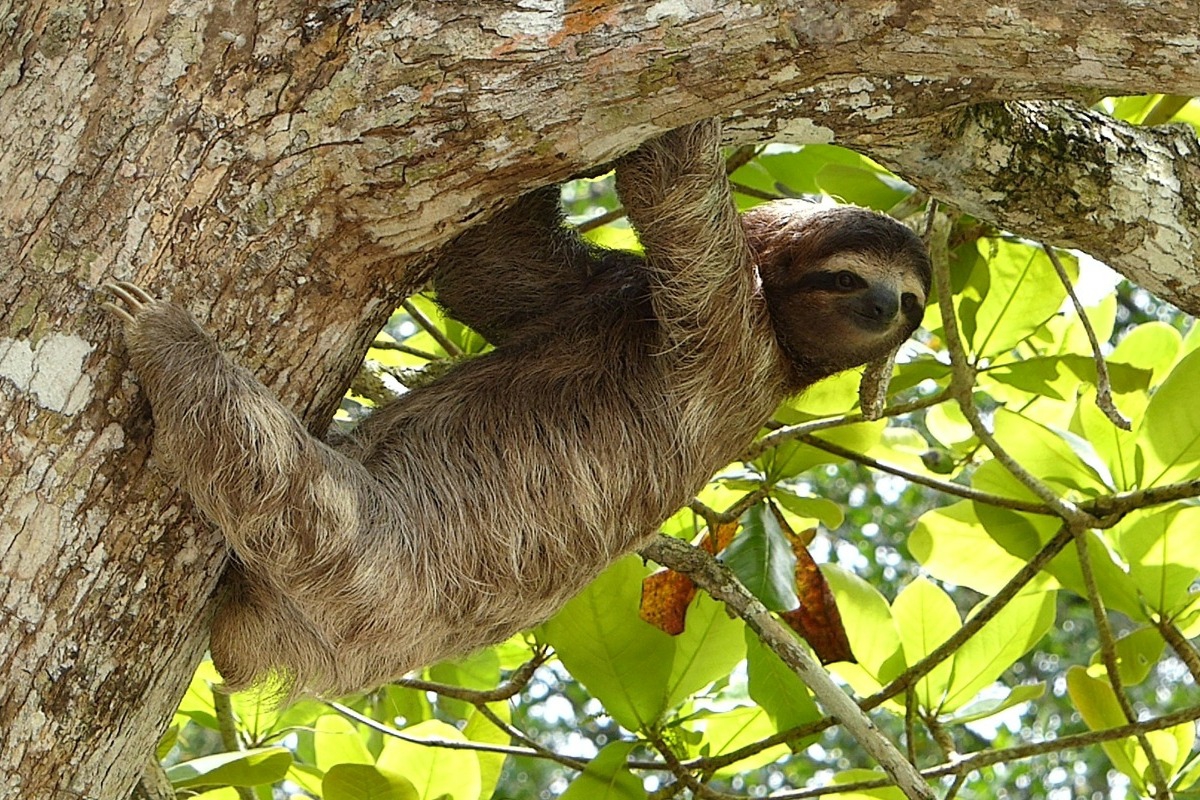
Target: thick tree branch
1129	196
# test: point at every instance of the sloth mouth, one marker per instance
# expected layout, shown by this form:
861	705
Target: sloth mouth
874	323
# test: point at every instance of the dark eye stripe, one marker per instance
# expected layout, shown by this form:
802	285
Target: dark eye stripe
823	281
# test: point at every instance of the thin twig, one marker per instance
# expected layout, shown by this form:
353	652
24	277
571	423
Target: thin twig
1179	643
966	764
1104	398
962	382
682	773
790	432
227	727
956	489
735	511
400	347
527	741
757	194
515	683
449	744
601	220
1108	654
432	329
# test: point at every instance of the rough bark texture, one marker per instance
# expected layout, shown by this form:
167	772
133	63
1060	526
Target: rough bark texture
282	168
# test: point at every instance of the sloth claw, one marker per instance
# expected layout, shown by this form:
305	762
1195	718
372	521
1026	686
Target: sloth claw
132	300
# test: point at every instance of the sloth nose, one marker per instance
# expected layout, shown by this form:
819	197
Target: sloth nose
878	306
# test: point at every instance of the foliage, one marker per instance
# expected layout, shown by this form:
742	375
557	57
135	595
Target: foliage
1015	573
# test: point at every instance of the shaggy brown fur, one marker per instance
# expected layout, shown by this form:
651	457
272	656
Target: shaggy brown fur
476	506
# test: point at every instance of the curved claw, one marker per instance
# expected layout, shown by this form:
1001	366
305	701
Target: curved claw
132	297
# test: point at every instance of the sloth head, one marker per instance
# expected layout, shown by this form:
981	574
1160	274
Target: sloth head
844	286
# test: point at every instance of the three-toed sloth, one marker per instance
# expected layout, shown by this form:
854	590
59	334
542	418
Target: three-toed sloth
474	507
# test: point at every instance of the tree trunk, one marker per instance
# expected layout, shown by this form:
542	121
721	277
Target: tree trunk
284	168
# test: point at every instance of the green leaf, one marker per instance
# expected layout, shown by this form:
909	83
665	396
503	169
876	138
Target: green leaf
925	617
433	771
1152	346
607	778
863	186
337	740
983	709
1012	633
1169	436
953	546
827	512
1137	653
624	662
777	689
711	645
1056	457
868	622
224	793
1117	447
1059	376
792	458
167	742
306	776
364	782
1163	553
240	768
481	729
1012	292
197	703
1097	704
726	731
762	559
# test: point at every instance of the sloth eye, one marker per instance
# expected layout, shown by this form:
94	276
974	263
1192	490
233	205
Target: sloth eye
908	301
845	280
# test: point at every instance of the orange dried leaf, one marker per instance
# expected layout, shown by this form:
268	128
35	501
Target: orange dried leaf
665	598
666	594
817	620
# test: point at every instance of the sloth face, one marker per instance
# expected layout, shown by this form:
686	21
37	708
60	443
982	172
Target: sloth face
843	285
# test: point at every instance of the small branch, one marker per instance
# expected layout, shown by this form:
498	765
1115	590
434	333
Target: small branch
515	683
1182	647
433	330
449	744
792	432
1108	653
986	758
682	773
721	584
1104	397
227	726
1112	508
757	194
910	723
601	221
985	613
400	347
735	511
958	490
521	736
962	383
741	157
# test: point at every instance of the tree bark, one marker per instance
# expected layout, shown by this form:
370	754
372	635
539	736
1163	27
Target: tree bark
284	169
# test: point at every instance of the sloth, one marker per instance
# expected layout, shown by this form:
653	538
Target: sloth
474	507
